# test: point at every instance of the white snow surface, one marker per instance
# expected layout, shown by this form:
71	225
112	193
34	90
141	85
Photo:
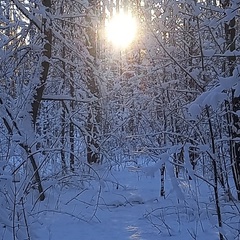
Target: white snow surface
124	203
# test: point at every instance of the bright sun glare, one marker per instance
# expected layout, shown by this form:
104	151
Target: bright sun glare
121	30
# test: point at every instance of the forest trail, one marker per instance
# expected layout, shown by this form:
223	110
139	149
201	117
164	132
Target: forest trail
123	213
119	214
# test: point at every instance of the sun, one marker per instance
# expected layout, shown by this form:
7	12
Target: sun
121	30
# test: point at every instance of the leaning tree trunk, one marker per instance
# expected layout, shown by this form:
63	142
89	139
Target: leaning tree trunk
47	33
37	98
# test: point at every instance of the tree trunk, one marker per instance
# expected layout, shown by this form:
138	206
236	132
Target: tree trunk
230	33
215	172
94	109
39	92
236	144
71	129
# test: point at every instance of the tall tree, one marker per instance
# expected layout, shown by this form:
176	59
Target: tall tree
230	36
93	125
34	101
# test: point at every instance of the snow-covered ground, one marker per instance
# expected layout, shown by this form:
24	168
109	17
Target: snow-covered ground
121	203
124	203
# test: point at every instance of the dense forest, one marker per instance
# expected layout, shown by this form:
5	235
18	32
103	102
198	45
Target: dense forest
71	101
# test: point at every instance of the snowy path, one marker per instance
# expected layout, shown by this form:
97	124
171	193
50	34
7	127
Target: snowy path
117	225
121	214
